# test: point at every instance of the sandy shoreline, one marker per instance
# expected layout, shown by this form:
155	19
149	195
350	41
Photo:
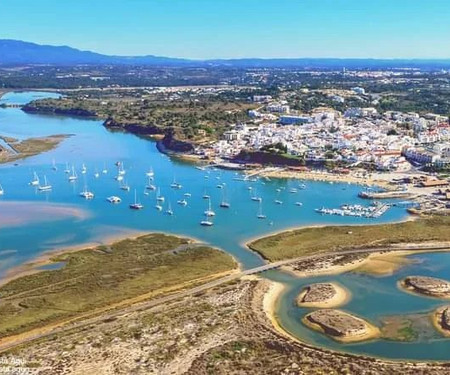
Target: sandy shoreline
341	297
436	320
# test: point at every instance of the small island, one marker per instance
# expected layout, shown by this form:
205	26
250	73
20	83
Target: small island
341	326
323	295
441	320
428	286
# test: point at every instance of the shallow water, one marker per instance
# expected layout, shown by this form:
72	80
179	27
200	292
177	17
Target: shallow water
98	148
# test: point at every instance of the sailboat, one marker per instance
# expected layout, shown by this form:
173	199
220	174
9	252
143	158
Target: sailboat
73	176
224	203
83	169
104	171
205	195
158	206
277	200
182	202
149	185
125	186
2	192
136	205
260	214
35	180
46	186
254	197
169	210
206	222
175	185
67	169
209	212
121	169
159	197
96	174
113	199
54	167
150	172
86	194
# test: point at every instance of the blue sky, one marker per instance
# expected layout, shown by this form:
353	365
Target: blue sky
235	28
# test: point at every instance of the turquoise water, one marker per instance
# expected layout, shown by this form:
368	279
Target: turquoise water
97	220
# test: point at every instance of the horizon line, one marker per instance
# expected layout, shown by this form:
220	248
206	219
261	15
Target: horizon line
205	59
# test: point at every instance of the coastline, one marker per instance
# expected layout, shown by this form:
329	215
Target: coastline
435	317
32	266
342	296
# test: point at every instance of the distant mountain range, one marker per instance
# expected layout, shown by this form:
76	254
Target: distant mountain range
16	52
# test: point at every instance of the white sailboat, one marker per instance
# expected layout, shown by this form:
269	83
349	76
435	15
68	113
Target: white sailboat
86	194
224	203
206	222
157	205
73	176
182	202
67	169
54	167
169	210
104	171
254	197
124	186
260	213
83	169
46	186
150	172
2	192
121	170
209	212
175	184
96	174
113	199
159	197
277	200
136	205
149	185
35	180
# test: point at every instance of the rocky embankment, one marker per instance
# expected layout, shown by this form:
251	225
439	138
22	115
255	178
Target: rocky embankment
441	320
340	325
322	295
426	285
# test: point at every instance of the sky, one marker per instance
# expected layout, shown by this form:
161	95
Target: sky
235	28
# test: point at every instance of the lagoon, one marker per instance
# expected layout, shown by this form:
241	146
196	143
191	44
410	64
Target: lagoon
97	221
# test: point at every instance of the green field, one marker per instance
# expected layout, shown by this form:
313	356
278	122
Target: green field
106	275
308	241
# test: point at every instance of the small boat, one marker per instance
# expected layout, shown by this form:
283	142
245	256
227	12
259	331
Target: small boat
46	186
293	190
83	169
73	176
260	214
54	167
224	203
86	194
169	210
207	222
187	195
67	169
219	186
113	199
96	174
2	192
277	201
159	197
104	171
150	173
149	185
136	205
125	186
175	185
121	171
200	168
298	203
119	177
158	206
302	186
182	202
35	180
209	212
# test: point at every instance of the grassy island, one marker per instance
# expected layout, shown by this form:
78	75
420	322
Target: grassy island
315	240
96	279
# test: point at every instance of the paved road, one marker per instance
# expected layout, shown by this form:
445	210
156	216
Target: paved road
185	293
